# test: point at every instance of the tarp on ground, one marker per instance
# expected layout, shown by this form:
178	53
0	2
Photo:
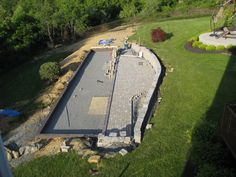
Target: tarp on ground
105	41
9	113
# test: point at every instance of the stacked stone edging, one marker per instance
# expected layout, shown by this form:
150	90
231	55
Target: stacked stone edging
153	60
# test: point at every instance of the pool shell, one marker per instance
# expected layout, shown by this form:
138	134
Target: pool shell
45	131
145	112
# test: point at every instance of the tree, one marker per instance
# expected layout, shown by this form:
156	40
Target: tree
68	12
26	30
131	8
49	71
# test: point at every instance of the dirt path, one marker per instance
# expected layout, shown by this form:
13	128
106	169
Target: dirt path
119	34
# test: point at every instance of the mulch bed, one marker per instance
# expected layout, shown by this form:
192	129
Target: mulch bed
188	46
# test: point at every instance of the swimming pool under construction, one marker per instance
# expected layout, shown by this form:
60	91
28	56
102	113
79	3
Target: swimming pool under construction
107	95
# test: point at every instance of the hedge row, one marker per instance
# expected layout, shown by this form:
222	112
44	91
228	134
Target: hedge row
197	44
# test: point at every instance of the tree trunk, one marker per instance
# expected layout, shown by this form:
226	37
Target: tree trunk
74	29
71	27
53	32
50	35
62	30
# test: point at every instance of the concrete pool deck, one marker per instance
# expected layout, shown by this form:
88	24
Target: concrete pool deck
134	76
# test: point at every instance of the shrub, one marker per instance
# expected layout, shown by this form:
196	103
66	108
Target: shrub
210	48
194	38
49	71
158	35
220	47
202	46
195	44
229	46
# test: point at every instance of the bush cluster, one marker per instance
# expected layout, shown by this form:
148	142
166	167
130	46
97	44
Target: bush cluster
210	48
49	71
194	38
229	47
197	44
158	35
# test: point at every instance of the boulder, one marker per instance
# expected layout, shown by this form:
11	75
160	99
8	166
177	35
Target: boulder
15	154
88	152
22	150
33	149
123	152
9	156
94	159
39	145
28	149
159	99
77	145
65	148
149	126
87	143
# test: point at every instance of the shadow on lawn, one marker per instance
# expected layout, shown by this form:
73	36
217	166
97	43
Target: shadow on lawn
25	84
209	156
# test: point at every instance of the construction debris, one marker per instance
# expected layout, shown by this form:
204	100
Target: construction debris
123	152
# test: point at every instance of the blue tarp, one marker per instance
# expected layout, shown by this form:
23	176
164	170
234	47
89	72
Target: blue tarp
105	42
9	113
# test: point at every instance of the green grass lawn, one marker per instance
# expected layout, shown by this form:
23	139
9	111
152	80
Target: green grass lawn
22	85
185	123
23	82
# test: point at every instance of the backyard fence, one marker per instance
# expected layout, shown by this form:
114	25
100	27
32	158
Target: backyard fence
228	127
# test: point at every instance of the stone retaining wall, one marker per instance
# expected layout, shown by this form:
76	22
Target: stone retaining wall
148	104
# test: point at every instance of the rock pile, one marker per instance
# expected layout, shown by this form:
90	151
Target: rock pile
84	147
14	152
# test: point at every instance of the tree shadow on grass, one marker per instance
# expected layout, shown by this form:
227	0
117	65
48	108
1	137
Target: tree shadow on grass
169	36
209	156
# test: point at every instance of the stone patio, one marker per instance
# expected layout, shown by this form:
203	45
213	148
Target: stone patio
212	40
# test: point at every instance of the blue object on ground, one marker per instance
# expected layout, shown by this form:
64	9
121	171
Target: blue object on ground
105	42
9	113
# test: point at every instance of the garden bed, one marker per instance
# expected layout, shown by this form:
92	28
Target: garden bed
188	46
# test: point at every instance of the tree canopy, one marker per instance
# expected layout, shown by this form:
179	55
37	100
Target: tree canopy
26	25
